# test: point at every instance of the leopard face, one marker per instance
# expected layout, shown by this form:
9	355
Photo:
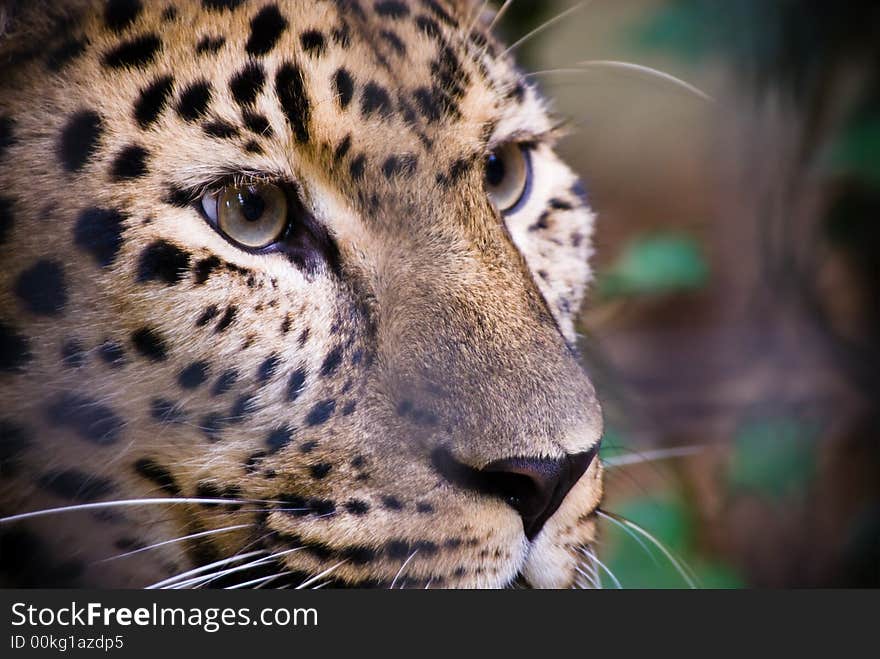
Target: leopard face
299	277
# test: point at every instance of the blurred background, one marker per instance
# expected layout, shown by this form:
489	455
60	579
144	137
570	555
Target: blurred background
733	327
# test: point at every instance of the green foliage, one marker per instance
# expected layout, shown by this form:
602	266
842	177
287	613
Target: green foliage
773	457
652	265
856	151
638	563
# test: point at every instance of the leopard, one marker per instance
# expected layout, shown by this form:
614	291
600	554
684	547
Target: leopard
289	298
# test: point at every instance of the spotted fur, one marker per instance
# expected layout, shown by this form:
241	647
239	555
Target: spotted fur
144	356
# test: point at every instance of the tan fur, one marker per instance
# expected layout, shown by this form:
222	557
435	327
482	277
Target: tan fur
440	303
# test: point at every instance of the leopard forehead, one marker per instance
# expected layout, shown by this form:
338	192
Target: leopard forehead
142	355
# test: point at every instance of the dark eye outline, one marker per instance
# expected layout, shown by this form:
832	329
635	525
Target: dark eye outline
215	193
526	149
305	241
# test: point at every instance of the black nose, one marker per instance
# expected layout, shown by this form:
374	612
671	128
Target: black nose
535	488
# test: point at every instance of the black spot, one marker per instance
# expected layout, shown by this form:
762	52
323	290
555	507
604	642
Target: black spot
73	355
267	368
291	90
342	149
243	406
112	354
152	101
90	420
439	12
220	129
429	104
193	376
312	42
209	44
164	262
349	408
392	9
7	138
395	166
119	14
130	163
193	102
308	447
320	470
321	506
424	508
26	562
41	288
98	231
178	197
375	99
394	41
357	507
248	83
204	268
14	440
257	123
266	28
66	52
321	412
332	361
6	220
76	485
560	205
343	85
169	14
150	344
139	51
221	5
296	384
226	320
278	439
392	503
429	26
225	382
357	166
79	139
158	475
209	313
166	411
212	426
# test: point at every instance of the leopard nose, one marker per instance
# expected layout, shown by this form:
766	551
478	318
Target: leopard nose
535	487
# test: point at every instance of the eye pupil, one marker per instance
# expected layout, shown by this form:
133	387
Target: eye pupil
495	170
251	204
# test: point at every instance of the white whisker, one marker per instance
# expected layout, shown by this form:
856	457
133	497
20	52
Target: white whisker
125	502
629	66
499	15
262	581
200	582
592	556
318	577
175	540
553	21
402	568
679	566
652	456
205	568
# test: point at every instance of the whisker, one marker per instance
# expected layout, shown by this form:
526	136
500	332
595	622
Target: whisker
652	456
318	577
553	21
126	502
205	568
631	67
175	540
591	580
261	581
499	15
402	568
200	582
595	559
679	566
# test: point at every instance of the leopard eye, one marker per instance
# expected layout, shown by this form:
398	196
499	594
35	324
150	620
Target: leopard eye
509	176
252	216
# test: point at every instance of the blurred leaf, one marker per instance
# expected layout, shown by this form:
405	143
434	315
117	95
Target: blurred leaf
774	457
638	563
656	265
856	152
